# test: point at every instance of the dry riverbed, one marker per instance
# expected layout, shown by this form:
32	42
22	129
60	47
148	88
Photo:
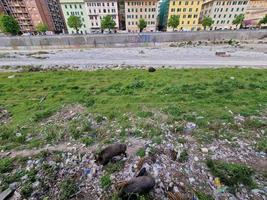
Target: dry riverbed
188	54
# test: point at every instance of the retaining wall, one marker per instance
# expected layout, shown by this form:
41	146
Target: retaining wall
113	40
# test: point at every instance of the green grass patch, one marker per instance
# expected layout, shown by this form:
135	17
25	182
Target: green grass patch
68	188
141	152
232	174
105	181
183	95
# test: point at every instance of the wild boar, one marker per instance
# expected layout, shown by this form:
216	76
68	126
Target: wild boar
109	152
137	186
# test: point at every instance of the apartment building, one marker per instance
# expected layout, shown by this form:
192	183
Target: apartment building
1	9
163	9
256	10
97	9
189	13
29	13
76	8
223	12
141	9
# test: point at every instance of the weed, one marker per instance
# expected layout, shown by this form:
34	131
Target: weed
26	190
262	145
231	174
183	156
68	188
144	114
181	140
141	152
6	165
88	141
105	181
203	196
110	168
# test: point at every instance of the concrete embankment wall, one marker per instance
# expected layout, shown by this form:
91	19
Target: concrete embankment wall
113	40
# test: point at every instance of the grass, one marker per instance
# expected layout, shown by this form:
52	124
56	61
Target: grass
5	165
232	174
68	188
183	157
141	152
183	95
105	181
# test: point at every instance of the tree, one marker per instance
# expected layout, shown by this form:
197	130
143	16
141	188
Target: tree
75	22
9	24
142	24
238	20
108	23
207	22
41	27
174	21
263	20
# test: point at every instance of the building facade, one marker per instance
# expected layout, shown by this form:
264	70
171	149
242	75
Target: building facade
97	9
188	12
29	13
141	9
163	9
76	8
223	12
256	10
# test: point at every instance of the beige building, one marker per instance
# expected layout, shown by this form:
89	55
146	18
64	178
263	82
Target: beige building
141	9
223	12
256	10
97	9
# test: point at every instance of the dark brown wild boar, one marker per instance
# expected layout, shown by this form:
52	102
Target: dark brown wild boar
109	152
137	186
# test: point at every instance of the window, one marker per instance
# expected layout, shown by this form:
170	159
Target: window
189	16
184	9
81	13
192	2
173	3
112	4
75	6
67	13
66	6
184	16
80	6
186	3
188	22
70	6
196	9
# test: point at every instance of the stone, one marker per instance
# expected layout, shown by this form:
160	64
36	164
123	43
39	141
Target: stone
204	150
151	69
6	194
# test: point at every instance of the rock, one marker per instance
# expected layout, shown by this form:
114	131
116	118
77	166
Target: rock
151	69
189	127
6	194
204	150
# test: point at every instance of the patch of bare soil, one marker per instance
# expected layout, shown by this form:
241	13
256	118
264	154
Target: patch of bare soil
4	116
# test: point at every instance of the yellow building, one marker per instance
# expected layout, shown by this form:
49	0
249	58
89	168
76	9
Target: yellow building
188	11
